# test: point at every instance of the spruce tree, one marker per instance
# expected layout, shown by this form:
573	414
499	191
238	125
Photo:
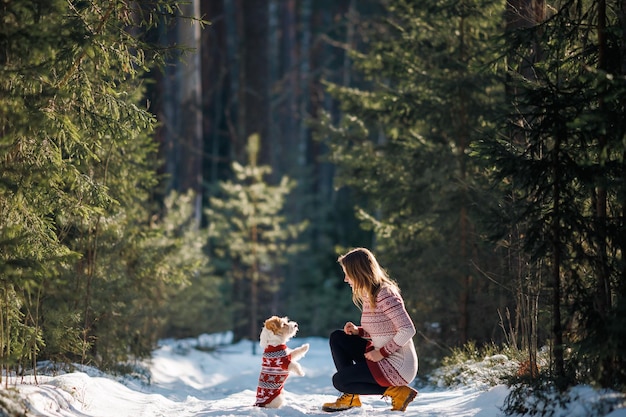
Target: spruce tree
80	265
250	240
403	143
563	161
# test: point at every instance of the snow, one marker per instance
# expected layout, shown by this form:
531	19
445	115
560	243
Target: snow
185	378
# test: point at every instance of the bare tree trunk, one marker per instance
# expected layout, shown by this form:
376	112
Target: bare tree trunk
189	129
232	110
215	88
557	328
622	19
462	135
289	82
274	130
179	107
254	84
254	96
525	14
166	114
319	101
603	291
347	63
303	88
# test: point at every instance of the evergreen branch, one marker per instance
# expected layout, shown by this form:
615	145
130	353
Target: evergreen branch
80	58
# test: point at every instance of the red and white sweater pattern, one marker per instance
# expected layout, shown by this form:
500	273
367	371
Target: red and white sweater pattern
274	372
390	329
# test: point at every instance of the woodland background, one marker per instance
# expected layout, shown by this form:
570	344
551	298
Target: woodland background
170	169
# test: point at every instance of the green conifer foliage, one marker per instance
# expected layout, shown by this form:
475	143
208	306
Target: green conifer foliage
251	239
403	142
199	305
83	269
563	165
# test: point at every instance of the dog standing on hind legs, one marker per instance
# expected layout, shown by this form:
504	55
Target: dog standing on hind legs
278	360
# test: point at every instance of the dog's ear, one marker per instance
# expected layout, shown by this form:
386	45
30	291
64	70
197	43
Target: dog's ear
273	324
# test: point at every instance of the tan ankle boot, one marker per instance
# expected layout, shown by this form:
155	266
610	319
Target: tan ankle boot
400	397
344	402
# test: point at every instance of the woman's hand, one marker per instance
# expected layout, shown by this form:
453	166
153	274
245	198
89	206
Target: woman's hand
373	355
351	328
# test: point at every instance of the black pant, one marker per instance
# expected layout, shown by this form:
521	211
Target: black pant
353	375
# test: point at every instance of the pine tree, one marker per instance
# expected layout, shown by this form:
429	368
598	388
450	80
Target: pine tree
403	142
251	237
564	163
79	262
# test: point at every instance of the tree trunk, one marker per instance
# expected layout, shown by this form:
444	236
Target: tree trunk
622	19
319	101
555	229
215	89
254	85
254	116
289	81
525	14
189	129
462	135
303	88
603	292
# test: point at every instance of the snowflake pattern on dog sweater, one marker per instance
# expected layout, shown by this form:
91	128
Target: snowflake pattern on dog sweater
274	372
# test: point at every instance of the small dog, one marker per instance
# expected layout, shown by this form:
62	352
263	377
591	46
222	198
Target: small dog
278	360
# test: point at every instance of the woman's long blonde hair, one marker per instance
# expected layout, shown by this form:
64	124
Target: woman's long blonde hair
367	276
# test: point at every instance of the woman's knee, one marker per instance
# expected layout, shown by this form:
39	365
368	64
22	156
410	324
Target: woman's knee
336	333
338	383
335	336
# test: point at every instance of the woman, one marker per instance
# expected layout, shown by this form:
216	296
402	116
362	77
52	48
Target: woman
377	357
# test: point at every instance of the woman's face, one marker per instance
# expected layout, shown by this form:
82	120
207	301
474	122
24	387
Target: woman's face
347	279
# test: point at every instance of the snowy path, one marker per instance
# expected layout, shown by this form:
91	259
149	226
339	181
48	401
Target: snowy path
187	382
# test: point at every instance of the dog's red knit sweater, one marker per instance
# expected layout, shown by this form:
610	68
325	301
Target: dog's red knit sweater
274	372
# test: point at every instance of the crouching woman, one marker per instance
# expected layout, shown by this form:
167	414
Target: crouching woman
378	357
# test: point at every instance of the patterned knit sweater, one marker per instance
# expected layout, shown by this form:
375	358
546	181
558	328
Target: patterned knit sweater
274	372
389	328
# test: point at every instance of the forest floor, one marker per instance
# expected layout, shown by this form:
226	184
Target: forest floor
182	380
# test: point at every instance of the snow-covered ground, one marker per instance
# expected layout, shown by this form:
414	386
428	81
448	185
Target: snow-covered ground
185	381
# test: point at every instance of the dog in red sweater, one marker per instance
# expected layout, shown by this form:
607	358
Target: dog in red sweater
278	360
